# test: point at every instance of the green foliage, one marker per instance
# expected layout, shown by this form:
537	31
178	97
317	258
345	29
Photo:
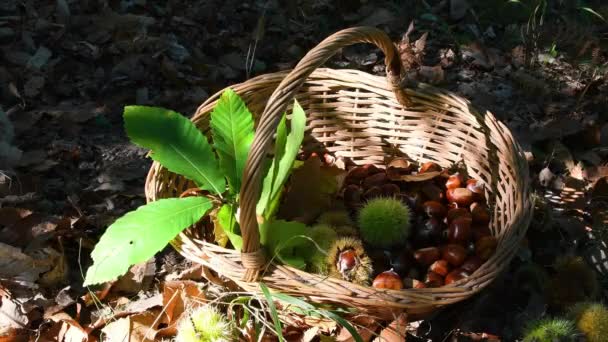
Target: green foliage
176	144
282	239
322	237
286	149
592	320
205	324
336	218
227	221
550	330
232	129
384	222
273	312
138	235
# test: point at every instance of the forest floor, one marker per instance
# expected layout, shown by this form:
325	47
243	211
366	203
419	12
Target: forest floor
69	67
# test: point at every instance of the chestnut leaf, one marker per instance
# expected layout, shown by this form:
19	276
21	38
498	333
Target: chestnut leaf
138	235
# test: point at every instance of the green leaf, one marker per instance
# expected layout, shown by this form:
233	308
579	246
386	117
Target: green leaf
282	238
232	131
227	221
138	235
273	312
592	11
286	150
176	144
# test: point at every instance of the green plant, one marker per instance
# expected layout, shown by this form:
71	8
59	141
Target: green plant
217	167
335	218
573	281
549	330
204	324
323	236
592	320
384	222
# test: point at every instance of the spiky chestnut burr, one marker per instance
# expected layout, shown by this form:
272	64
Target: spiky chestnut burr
348	260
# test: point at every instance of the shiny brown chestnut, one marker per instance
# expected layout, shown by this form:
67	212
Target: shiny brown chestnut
427	256
411	283
388	280
429	167
390	190
480	213
376	179
440	267
454	254
477	188
434	209
372	192
454	181
480	231
461	196
429	231
433	279
485	247
458	212
347	260
459	230
432	192
456	275
471	264
356	174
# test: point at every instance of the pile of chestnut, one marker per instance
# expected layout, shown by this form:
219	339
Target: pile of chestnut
450	235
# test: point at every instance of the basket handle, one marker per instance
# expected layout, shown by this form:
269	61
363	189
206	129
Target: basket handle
251	255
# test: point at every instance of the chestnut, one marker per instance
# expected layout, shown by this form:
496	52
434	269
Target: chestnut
352	195
457	212
461	196
400	261
434	209
480	213
454	181
412	199
429	167
356	175
388	280
485	247
471	264
398	167
432	192
459	230
427	256
440	267
454	254
373	192
429	232
347	260
411	283
390	190
433	279
376	179
477	188
456	275
480	231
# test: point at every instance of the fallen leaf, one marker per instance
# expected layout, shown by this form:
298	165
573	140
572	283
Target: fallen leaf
432	75
396	331
420	177
15	264
138	278
12	314
179	295
311	190
69	329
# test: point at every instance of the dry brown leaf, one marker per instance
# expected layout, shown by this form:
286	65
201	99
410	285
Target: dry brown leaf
420	177
394	332
12	314
178	295
69	329
137	279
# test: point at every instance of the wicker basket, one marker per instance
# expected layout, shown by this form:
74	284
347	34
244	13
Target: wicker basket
363	118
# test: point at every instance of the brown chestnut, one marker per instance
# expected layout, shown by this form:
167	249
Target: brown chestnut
432	192
461	196
480	231
434	209
411	283
471	264
376	179
433	279
477	188
458	212
356	174
373	192
427	256
390	190
456	275
352	195
412	199
429	167
388	280
485	247
440	267
454	254
347	260
480	213
454	181
429	232
459	230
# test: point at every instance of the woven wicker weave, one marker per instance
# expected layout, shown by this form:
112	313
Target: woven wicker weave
363	118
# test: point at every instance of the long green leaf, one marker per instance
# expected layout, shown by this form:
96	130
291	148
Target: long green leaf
232	131
282	238
273	311
286	150
176	144
227	221
138	235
